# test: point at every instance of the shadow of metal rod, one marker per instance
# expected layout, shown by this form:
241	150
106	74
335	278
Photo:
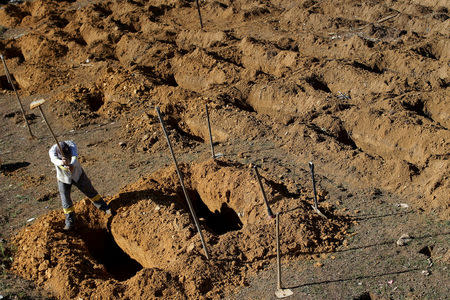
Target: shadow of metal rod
269	211
210	134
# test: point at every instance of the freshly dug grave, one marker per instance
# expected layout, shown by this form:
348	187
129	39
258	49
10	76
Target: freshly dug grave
151	248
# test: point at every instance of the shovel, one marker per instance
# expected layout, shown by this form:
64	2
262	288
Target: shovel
38	103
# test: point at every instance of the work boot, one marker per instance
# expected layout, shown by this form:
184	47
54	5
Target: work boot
102	205
70	221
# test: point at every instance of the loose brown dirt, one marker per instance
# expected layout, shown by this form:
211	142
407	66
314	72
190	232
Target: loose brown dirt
358	87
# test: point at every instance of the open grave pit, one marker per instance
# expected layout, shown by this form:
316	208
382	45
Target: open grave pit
151	247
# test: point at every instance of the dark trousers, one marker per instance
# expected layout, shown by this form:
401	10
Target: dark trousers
83	184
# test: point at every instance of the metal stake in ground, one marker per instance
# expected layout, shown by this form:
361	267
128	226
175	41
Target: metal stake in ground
38	103
214	156
8	77
280	292
315	207
188	200
199	14
269	211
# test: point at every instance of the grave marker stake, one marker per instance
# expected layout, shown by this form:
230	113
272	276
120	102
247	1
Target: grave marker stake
210	134
315	206
180	176
8	77
280	292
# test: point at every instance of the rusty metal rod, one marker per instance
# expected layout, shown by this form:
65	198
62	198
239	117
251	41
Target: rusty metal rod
315	206
311	167
280	292
269	211
277	222
210	134
8	77
180	176
51	131
199	14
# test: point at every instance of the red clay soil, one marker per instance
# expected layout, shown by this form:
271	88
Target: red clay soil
359	86
153	228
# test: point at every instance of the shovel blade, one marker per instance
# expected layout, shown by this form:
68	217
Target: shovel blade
36	103
283	293
318	212
218	155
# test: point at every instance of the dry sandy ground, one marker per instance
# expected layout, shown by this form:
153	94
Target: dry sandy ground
358	87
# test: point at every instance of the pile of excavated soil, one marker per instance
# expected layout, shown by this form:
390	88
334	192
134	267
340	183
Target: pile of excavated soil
151	248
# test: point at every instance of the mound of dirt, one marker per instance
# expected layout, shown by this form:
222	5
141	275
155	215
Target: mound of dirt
150	248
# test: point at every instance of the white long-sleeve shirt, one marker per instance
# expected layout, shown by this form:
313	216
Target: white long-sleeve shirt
63	173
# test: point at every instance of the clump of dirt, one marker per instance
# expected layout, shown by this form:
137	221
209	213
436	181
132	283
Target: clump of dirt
144	250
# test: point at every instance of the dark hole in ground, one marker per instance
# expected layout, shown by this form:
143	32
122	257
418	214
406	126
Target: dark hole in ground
104	249
418	107
318	84
125	26
4	84
157	77
95	101
426	51
364	296
12	52
219	222
157	11
426	251
375	69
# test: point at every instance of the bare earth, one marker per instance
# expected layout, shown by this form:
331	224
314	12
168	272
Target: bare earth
358	87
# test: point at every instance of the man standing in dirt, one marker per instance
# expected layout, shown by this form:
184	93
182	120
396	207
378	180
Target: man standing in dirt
68	172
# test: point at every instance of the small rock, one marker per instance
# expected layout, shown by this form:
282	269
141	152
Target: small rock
318	264
30	220
426	273
190	247
122	144
157	208
404	240
402	205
